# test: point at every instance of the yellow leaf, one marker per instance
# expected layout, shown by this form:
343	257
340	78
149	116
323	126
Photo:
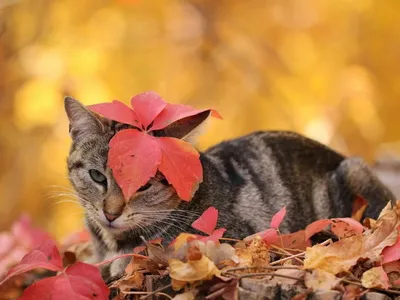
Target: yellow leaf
342	255
375	278
191	271
320	280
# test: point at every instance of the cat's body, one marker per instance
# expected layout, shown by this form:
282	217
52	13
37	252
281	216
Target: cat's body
247	179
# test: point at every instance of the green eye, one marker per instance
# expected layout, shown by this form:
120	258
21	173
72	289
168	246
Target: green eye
98	177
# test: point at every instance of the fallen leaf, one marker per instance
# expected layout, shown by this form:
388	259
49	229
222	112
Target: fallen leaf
134	281
79	281
392	253
343	254
191	271
296	241
320	280
277	218
359	207
45	256
375	278
341	227
207	221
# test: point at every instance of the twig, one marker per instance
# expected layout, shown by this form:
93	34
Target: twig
230	239
156	291
290	254
147	293
269	274
120	256
287	258
377	289
261	268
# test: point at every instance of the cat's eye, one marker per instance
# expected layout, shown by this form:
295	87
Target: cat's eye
144	187
98	177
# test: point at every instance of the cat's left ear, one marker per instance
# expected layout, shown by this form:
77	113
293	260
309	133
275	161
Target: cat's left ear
187	129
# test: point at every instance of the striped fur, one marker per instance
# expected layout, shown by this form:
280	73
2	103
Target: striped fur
247	179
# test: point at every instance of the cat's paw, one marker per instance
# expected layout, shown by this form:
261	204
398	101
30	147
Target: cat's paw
118	266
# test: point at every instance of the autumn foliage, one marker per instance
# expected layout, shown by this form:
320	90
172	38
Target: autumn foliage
366	257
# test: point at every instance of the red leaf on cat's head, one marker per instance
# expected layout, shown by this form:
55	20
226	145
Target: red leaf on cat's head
79	281
277	218
175	112
134	157
45	256
207	221
181	166
147	107
117	111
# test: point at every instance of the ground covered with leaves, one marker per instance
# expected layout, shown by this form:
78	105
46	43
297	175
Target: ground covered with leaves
355	261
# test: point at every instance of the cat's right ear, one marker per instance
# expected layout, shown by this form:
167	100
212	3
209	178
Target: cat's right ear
81	120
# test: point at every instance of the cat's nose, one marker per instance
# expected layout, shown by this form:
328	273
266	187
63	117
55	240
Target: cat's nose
111	217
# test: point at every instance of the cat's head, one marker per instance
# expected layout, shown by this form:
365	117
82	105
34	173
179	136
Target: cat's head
100	195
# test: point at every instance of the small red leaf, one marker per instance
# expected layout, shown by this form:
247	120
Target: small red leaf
27	235
80	281
277	218
45	256
181	166
269	236
340	227
147	106
134	157
294	240
175	112
392	253
116	111
214	236
207	221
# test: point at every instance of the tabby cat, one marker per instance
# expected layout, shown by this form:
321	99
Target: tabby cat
247	179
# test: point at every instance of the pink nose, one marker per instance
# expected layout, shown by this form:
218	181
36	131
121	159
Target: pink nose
111	217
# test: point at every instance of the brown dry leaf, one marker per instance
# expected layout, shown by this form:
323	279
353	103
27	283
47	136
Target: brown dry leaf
134	281
342	255
320	280
375	278
359	206
259	252
351	292
191	271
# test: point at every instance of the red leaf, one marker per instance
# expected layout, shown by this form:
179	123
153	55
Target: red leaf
147	106
214	236
134	157
175	112
45	256
80	281
277	218
181	166
27	235
296	240
117	111
340	227
207	221
392	253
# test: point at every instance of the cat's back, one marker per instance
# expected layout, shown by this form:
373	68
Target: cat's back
286	149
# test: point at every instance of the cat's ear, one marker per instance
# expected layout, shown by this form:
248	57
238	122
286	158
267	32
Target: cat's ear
188	129
81	120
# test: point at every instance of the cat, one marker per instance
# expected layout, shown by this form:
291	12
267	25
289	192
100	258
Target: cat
247	179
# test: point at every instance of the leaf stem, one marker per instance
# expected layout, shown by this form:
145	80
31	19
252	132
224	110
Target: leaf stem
105	262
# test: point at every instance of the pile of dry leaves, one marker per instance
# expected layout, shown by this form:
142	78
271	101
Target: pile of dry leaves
359	258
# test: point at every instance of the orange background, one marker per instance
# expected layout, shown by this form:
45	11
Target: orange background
328	69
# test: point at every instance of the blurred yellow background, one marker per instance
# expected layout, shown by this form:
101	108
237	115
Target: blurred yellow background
328	69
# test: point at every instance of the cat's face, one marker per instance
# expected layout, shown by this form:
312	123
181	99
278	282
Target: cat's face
100	195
